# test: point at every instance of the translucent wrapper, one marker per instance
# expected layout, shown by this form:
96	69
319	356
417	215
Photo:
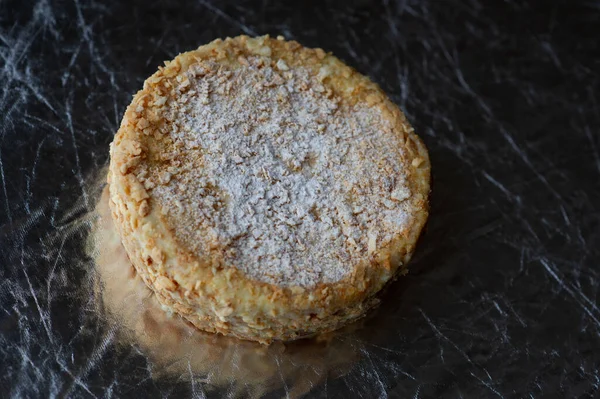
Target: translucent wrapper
502	295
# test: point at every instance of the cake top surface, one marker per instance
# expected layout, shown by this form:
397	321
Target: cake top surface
268	166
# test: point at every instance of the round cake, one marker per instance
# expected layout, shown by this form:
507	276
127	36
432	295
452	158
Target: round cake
265	190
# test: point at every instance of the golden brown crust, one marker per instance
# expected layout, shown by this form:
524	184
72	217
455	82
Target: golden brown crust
207	292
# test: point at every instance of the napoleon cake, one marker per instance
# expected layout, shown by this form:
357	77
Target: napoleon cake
265	190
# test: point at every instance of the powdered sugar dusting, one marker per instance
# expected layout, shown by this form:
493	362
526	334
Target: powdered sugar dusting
293	186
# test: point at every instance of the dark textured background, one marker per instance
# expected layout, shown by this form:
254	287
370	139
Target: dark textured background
503	299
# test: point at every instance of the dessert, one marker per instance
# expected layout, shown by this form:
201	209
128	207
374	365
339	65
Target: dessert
265	190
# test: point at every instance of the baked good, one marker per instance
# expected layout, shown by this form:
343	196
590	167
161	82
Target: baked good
265	190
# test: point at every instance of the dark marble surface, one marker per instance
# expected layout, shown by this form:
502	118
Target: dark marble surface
503	297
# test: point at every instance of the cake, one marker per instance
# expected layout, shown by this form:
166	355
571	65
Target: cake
265	190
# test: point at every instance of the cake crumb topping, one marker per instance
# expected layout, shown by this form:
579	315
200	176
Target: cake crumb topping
292	185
